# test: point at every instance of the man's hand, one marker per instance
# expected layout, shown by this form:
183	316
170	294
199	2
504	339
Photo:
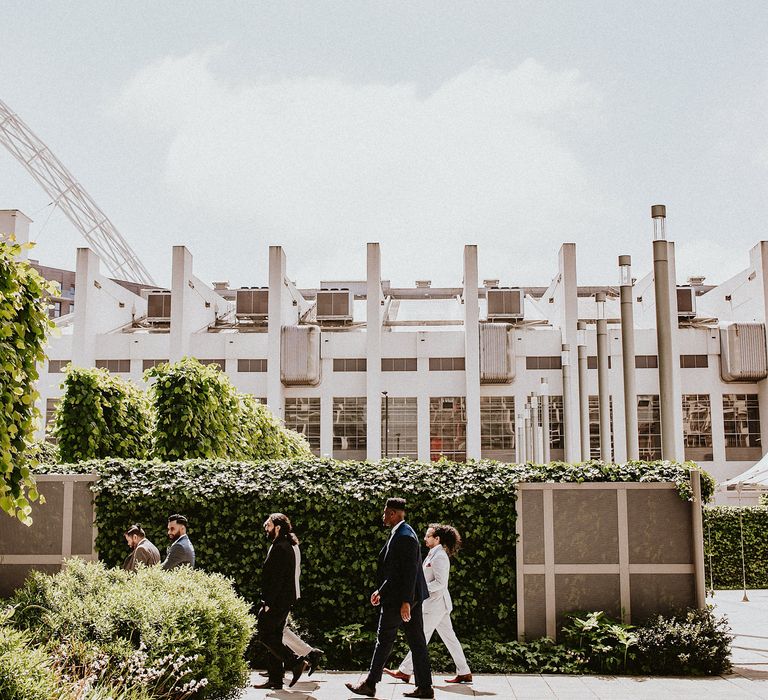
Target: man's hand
375	598
405	612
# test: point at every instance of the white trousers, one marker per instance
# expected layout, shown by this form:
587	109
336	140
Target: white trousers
440	621
295	643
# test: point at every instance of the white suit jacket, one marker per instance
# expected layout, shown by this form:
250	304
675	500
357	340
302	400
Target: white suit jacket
437	568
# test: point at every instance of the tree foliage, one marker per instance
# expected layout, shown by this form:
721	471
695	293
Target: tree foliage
24	326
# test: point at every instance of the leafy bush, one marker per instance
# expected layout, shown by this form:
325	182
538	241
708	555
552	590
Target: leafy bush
138	621
101	415
607	646
24	326
722	546
25	670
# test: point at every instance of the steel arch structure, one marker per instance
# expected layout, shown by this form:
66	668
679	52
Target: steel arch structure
71	198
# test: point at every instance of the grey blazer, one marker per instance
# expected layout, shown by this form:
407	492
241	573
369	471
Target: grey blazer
181	552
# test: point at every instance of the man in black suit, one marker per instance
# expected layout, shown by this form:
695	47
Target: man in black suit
279	591
400	592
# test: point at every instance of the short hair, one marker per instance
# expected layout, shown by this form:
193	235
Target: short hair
180	519
396	504
449	536
286	529
135	530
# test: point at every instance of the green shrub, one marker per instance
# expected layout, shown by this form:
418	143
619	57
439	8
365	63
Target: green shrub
607	646
24	326
722	546
101	415
87	612
25	671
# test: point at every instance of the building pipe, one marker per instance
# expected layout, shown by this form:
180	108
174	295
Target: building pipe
529	457
603	391
567	417
628	357
544	393
534	401
581	334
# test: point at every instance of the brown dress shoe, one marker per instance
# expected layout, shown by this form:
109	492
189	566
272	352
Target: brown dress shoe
463	678
270	685
398	674
421	693
362	689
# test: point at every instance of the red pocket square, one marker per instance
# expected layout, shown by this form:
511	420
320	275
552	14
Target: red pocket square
428	565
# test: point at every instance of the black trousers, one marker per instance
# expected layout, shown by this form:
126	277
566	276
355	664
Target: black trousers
389	622
270	634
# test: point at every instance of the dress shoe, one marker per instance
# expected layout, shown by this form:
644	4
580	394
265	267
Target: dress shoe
362	689
271	685
313	659
398	674
460	678
421	693
297	669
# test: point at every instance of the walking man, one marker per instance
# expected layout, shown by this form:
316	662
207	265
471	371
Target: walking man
142	550
399	595
181	552
279	591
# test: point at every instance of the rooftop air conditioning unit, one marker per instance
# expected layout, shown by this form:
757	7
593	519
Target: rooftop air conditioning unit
686	302
334	305
505	304
743	356
252	303
159	306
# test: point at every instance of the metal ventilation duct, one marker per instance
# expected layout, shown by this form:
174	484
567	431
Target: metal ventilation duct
300	355
743	352
497	362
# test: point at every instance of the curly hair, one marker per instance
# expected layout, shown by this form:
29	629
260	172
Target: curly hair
449	537
286	529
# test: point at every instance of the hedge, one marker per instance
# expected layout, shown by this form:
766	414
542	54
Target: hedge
336	508
722	546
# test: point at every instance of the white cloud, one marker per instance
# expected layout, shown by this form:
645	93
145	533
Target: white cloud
322	166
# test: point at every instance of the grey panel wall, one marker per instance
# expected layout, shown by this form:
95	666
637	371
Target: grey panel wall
630	549
62	527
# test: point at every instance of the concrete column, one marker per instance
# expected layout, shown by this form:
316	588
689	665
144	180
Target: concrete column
14	223
472	351
628	358
603	389
570	405
583	392
545	420
670	395
276	310
86	308
181	302
759	258
569	314
373	351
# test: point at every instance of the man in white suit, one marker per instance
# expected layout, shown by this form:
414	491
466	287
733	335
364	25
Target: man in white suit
443	542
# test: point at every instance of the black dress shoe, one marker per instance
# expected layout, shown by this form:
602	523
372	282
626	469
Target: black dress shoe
362	689
313	659
271	685
297	669
421	693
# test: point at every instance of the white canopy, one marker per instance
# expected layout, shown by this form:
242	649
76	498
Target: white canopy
755	477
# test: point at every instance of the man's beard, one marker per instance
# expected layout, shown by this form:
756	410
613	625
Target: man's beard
175	537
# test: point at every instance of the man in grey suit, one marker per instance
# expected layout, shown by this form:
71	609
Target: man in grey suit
142	550
181	552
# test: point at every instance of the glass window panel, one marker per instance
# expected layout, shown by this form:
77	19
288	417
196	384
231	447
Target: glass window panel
399	427
594	426
497	427
349	427
649	426
303	416
448	428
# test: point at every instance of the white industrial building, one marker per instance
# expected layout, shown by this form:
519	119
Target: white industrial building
483	369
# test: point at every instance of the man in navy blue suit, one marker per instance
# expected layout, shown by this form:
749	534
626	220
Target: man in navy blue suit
401	590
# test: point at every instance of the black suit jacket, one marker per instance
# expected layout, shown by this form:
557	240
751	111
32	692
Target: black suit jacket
278	579
401	578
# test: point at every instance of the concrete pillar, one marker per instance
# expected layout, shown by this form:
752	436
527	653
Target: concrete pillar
759	258
569	315
373	351
472	351
14	223
570	404
603	389
546	458
181	301
86	308
583	391
628	357
670	395
276	310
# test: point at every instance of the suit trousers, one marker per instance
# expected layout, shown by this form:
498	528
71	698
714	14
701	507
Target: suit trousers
389	622
295	643
440	621
270	634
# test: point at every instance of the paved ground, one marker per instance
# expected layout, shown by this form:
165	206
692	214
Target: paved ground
750	679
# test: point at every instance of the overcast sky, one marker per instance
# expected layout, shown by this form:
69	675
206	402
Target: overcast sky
230	126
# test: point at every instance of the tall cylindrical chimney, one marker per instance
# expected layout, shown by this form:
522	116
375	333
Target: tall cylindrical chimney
603	390
628	357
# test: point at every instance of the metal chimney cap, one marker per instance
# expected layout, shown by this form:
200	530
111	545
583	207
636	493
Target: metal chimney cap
600	297
658	211
625	260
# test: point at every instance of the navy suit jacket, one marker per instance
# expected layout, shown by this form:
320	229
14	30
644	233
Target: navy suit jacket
181	552
401	578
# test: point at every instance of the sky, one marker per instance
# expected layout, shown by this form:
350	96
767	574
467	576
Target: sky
320	126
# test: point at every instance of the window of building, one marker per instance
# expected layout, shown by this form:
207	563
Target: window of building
556	429
398	364
544	362
252	365
592	362
694	361
222	364
446	364
303	416
114	365
594	426
149	364
55	310
649	426
349	364
646	361
697	427
50	412
399	427
741	424
349	427
497	427
56	366
447	428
